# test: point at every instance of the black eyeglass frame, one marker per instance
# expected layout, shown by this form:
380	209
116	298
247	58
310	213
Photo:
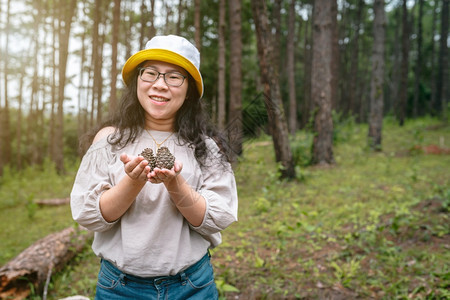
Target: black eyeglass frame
163	74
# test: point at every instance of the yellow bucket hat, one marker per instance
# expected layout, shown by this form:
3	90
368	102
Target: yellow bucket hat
171	49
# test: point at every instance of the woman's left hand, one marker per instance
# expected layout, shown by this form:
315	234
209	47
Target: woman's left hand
158	175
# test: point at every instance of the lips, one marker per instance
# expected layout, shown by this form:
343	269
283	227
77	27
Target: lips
159	99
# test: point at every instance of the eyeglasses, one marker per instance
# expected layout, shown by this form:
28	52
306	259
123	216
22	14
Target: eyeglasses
170	78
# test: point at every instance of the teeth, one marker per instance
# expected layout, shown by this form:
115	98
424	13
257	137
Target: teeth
159	99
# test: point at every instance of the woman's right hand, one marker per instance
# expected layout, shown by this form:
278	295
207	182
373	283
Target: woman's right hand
136	168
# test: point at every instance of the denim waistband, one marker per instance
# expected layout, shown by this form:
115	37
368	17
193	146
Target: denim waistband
177	277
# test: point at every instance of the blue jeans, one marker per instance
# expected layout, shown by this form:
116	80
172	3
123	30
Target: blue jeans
196	282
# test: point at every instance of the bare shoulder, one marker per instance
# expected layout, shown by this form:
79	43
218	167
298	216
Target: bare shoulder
103	133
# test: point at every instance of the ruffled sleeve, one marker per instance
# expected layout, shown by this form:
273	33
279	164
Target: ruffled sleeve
91	182
219	190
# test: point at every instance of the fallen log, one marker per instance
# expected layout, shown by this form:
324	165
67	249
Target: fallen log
31	267
53	202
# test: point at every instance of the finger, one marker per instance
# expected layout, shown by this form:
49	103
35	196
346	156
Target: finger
136	166
161	174
124	158
178	166
153	179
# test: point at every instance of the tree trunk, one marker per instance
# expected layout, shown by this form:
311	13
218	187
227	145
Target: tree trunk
235	105
306	107
142	33
418	69
432	102
32	266
322	151
354	79
442	80
82	106
32	118
95	60
51	137
180	17
99	65
115	41
5	131
152	21
290	68
276	25
198	24
221	97
272	97
377	82
19	124
65	27
403	93
335	60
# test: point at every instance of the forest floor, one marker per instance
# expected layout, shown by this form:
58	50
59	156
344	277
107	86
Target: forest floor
373	226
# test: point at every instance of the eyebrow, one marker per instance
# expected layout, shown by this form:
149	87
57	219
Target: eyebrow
169	71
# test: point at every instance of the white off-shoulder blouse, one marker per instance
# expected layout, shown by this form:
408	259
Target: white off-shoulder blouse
152	238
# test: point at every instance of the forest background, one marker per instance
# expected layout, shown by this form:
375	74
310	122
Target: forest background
282	68
61	65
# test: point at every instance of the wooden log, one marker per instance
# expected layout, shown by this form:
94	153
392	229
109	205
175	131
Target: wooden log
31	267
53	202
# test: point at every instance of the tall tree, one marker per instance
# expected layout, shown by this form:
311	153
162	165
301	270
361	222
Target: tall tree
115	42
143	31
32	117
322	150
152	20
335	59
235	105
5	145
353	101
272	95
306	105
290	68
82	90
276	24
377	82
198	24
97	47
180	16
403	92
431	104
51	137
19	124
442	89
221	97
418	69
65	25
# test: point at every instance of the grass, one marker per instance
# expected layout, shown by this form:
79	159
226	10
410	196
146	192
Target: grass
375	225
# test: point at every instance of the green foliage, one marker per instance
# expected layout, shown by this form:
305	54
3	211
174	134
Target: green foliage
16	187
225	288
31	206
301	145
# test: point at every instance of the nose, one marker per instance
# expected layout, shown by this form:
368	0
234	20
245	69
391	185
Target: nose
160	81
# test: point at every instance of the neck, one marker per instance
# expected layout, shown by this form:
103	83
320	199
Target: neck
160	125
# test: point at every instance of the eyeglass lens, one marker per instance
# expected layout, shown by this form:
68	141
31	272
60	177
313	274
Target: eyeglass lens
171	78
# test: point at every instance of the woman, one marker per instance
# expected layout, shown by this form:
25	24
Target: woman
154	225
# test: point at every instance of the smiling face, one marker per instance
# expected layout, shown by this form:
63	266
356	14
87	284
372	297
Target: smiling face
159	100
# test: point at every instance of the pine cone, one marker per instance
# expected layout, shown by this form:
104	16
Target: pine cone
164	159
147	153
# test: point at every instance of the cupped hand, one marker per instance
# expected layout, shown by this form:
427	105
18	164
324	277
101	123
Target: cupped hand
158	175
136	168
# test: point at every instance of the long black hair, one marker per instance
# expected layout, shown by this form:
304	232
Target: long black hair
192	123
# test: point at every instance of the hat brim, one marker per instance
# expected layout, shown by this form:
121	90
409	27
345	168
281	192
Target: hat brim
165	56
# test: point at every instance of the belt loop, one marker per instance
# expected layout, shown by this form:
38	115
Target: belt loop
183	278
122	279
